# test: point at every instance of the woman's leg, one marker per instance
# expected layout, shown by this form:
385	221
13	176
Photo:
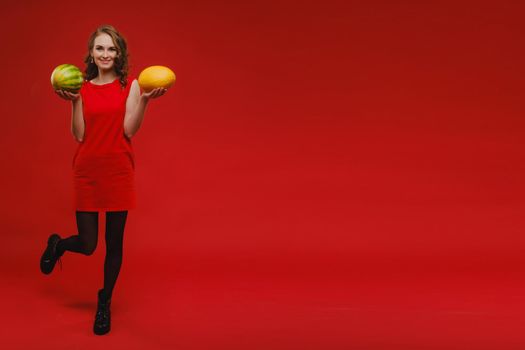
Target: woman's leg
86	240
115	223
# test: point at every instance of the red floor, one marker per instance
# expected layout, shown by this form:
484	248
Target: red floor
189	303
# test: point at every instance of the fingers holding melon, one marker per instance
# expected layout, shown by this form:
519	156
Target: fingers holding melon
66	95
155	93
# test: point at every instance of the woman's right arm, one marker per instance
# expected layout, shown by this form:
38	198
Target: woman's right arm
77	120
77	117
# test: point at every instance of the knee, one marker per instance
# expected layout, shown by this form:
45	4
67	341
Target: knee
89	249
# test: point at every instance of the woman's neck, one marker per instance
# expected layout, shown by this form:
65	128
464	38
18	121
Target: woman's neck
105	77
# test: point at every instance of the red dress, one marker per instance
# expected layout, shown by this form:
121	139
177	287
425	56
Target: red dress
104	162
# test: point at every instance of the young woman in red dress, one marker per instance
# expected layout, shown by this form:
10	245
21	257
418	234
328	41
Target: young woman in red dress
106	113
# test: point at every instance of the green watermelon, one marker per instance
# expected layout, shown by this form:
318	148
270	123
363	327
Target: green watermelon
67	77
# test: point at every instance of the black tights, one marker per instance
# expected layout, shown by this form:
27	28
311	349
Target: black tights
86	242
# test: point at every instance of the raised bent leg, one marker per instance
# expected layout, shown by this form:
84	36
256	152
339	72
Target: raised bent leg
86	240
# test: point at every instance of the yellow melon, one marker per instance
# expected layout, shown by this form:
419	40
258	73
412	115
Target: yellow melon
156	76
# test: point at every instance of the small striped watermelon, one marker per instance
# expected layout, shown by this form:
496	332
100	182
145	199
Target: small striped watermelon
67	77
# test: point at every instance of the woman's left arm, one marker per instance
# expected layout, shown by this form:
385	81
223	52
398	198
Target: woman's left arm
136	106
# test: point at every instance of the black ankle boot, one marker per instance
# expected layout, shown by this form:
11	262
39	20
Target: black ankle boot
50	255
103	316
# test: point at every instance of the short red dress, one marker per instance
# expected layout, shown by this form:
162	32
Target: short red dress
104	162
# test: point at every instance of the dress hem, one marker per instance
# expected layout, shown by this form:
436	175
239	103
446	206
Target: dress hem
105	209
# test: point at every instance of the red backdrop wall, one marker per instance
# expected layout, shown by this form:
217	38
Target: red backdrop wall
336	127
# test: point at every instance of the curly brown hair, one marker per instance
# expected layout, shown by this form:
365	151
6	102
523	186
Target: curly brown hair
121	60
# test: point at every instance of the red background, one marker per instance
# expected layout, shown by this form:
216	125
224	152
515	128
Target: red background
322	175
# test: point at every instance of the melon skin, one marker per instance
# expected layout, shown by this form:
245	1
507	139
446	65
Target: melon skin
156	77
67	77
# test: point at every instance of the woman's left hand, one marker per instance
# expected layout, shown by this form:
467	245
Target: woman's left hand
154	93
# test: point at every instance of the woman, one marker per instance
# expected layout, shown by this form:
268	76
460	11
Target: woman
106	113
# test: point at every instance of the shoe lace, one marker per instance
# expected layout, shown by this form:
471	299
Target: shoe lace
102	315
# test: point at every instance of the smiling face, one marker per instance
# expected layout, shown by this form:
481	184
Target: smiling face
104	52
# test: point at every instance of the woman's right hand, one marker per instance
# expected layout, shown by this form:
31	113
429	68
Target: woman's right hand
66	95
